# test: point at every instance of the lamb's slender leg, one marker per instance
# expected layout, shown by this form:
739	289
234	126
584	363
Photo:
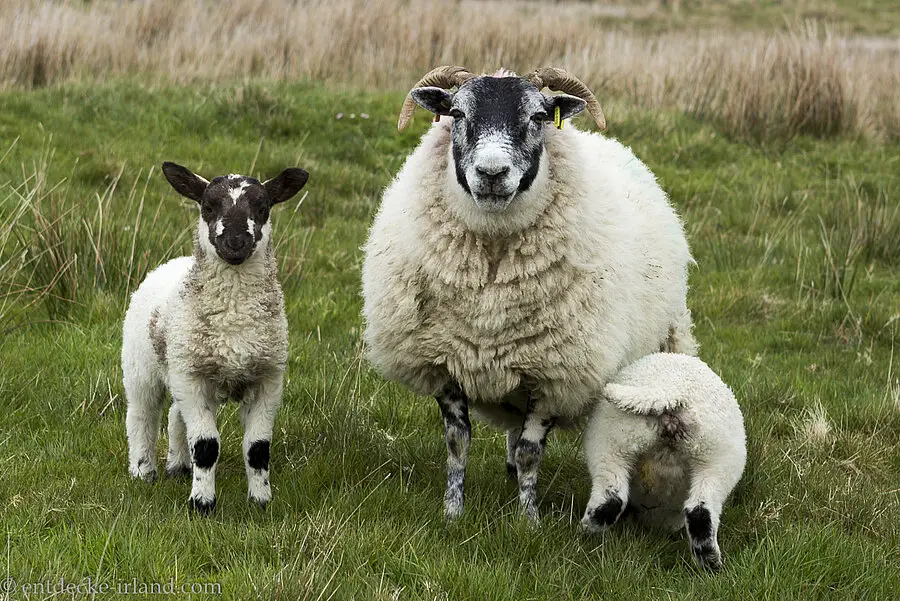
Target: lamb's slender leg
612	442
457	434
196	403
512	439
142	418
711	482
258	410
178	462
529	452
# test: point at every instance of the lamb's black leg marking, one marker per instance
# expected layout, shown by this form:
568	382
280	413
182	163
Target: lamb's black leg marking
700	529
205	455
258	455
529	451
606	514
457	434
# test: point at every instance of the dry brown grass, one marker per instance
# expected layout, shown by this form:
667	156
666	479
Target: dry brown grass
755	85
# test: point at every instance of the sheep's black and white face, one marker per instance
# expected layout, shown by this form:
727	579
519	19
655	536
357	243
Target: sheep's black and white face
498	133
234	209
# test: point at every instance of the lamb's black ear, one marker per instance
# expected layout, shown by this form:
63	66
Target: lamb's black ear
436	100
285	184
186	182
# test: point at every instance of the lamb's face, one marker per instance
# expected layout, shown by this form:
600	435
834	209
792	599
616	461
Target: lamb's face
234	209
498	134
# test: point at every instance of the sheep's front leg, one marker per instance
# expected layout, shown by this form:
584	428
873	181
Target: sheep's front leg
512	439
529	452
197	406
457	434
258	410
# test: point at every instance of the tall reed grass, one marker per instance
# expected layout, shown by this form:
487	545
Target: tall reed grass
755	85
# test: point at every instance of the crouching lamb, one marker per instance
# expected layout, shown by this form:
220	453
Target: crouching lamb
667	441
207	328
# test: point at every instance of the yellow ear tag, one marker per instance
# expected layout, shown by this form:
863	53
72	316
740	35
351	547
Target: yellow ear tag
557	121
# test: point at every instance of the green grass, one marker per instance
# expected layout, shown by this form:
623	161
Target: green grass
795	297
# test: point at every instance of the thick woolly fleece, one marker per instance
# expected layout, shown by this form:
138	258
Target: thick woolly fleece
206	331
667	440
583	273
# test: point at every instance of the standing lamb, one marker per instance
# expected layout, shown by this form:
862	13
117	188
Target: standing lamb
514	267
667	439
209	327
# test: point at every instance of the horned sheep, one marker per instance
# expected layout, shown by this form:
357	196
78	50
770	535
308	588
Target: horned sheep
209	327
514	267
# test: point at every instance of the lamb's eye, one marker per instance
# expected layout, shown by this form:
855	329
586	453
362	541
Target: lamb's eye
539	117
206	212
457	114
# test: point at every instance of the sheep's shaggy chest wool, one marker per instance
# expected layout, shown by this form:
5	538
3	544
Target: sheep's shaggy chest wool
590	275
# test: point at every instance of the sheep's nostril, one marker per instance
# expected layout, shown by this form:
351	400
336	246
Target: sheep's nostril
492	172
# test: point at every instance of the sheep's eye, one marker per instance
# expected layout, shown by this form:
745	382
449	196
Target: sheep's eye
206	211
457	114
539	117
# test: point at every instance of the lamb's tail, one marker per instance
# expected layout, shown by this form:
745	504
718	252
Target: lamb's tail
640	399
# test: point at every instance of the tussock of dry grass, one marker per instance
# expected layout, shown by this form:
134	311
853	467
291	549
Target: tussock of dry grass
756	85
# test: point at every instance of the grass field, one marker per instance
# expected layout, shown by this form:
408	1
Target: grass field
796	299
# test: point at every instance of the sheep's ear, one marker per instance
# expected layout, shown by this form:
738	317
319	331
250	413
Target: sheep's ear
186	182
569	106
285	184
436	100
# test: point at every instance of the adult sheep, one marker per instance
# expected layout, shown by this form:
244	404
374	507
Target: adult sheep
514	267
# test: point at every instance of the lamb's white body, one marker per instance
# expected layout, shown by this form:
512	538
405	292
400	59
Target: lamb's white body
205	331
582	274
667	439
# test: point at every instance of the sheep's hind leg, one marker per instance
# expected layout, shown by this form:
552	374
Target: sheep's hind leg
142	426
529	452
457	435
258	410
512	439
178	462
710	485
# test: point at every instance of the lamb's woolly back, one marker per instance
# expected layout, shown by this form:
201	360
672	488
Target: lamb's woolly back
663	382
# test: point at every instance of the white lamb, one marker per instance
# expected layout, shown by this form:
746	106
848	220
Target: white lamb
667	440
209	327
514	267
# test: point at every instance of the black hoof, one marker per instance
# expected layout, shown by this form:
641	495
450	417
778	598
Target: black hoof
202	507
149	477
606	515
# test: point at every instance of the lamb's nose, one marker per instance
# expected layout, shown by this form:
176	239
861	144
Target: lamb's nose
236	243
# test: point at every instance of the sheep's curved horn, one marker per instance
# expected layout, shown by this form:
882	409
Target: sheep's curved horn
443	77
560	80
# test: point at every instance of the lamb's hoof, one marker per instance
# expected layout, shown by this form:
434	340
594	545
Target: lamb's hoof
144	470
511	472
202	506
707	557
148	477
178	471
258	502
598	519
